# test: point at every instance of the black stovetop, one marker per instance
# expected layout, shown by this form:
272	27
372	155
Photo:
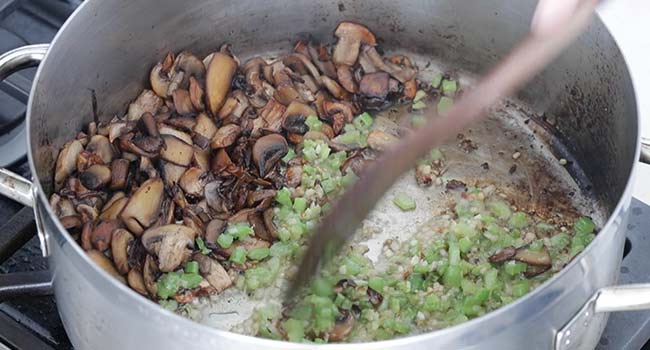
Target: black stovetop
32	322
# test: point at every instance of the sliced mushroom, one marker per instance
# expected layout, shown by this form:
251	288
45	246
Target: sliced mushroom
113	209
381	141
172	131
213	196
256	221
182	102
335	89
234	107
190	66
119	174
170	243
294	176
218	79
147	102
150	274
332	108
196	94
403	74
272	114
136	281
213	272
267	151
105	264
532	257
66	162
375	85
101	146
351	36
201	158
192	182
71	222
301	64
102	235
172	173
268	221
96	177
159	79
119	249
321	59
342	327
346	78
294	117
213	230
204	127
225	136
535	270
144	206
176	151
503	254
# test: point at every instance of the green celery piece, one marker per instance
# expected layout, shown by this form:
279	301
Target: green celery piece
190	280
404	201
313	123
418	105
295	330
201	245
299	204
520	288
449	87
584	225
419	95
225	240
322	287
363	121
239	230
283	196
191	267
444	104
259	253
289	156
436	80
238	255
418	120
500	209
168	285
560	241
377	284
432	303
519	220
453	276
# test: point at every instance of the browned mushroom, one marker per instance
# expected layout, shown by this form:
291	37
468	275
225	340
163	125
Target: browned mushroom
170	243
294	117
256	221
113	209
225	136
147	102
331	108
375	85
164	129
351	36
190	66
66	163
346	78
196	94
301	64
213	230
268	221
172	173
213	196
335	89
204	127
159	76
105	264
96	177
272	114
102	235
532	257
119	249
213	272
217	81
136	281
182	102
101	146
201	158
267	151
234	107
380	140
71	222
294	176
535	270
176	151
342	327
403	74
503	254
150	274
192	182
119	174
143	207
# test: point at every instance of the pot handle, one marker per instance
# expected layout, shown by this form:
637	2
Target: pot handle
628	297
645	150
12	185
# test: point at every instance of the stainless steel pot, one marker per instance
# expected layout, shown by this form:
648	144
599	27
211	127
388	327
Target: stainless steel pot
103	50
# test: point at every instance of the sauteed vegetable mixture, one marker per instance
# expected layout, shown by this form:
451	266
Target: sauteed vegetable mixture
218	172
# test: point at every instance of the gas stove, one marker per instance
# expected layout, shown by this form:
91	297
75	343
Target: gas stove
30	320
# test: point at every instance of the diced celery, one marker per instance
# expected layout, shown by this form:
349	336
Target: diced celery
536	245
350	137
444	104
436	80
295	329
514	268
170	305
499	209
419	95
421	268
257	277
404	201
465	244
491	279
201	245
560	241
584	225
313	212
463	229
322	287
239	230
432	303
289	156
544	227
190	280
453	276
576	249
520	288
283	196
191	267
449	87
418	105
281	249
519	220
168	285
417	281
224	240
299	204
377	284
313	123
259	253
363	121
468	286
238	256
418	120
328	185
301	312
435	154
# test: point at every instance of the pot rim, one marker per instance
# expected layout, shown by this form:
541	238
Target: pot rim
402	341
